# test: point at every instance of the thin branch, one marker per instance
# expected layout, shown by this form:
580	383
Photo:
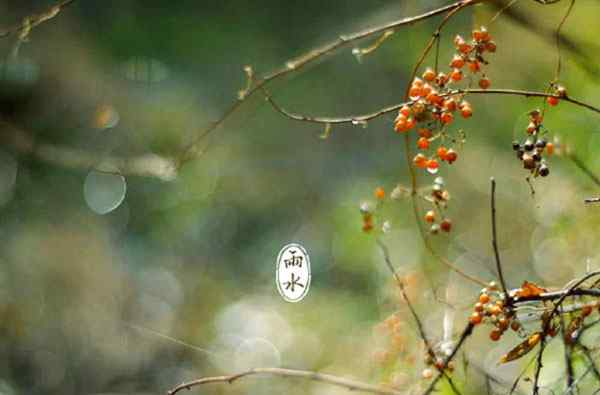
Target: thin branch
558	37
147	165
361	118
351	385
495	238
297	64
388	262
35	20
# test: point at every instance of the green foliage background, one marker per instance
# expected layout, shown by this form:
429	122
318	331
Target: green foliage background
178	282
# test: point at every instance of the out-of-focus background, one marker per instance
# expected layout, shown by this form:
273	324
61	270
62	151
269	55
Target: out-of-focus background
130	284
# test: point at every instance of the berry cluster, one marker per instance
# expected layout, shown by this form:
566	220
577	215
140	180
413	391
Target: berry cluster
433	107
439	199
492	308
369	213
531	151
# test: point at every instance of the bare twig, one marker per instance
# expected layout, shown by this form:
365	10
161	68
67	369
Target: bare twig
147	165
33	21
308	58
358	119
558	39
352	385
495	238
421	329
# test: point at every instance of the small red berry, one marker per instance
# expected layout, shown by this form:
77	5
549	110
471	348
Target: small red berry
474	66
432	165
495	335
475	318
446	225
553	100
447	117
405	110
429	74
379	193
450	104
442	152
430	216
451	156
423	143
424	132
420	161
456	75
457	62
485	83
490	46
466	111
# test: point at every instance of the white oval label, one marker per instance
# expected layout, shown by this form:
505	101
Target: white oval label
293	272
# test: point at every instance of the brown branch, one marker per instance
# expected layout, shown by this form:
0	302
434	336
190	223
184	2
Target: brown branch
351	385
495	238
558	39
361	118
147	165
421	329
35	20
310	57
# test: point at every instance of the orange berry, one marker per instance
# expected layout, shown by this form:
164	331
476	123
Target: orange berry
450	104
474	66
490	46
495	310
410	123
424	132
465	47
420	161
475	318
426	90
550	148
447	117
417	82
400	125
477	35
479	307
446	225
429	74
515	326
367	226
415	91
442	152
456	75
405	110
457	62
485	35
432	164
379	193
495	335
484	298
430	216
423	143
441	79
466	111
433	97
552	100
485	83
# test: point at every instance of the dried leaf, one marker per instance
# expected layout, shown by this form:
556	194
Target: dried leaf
572	331
522	348
529	290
